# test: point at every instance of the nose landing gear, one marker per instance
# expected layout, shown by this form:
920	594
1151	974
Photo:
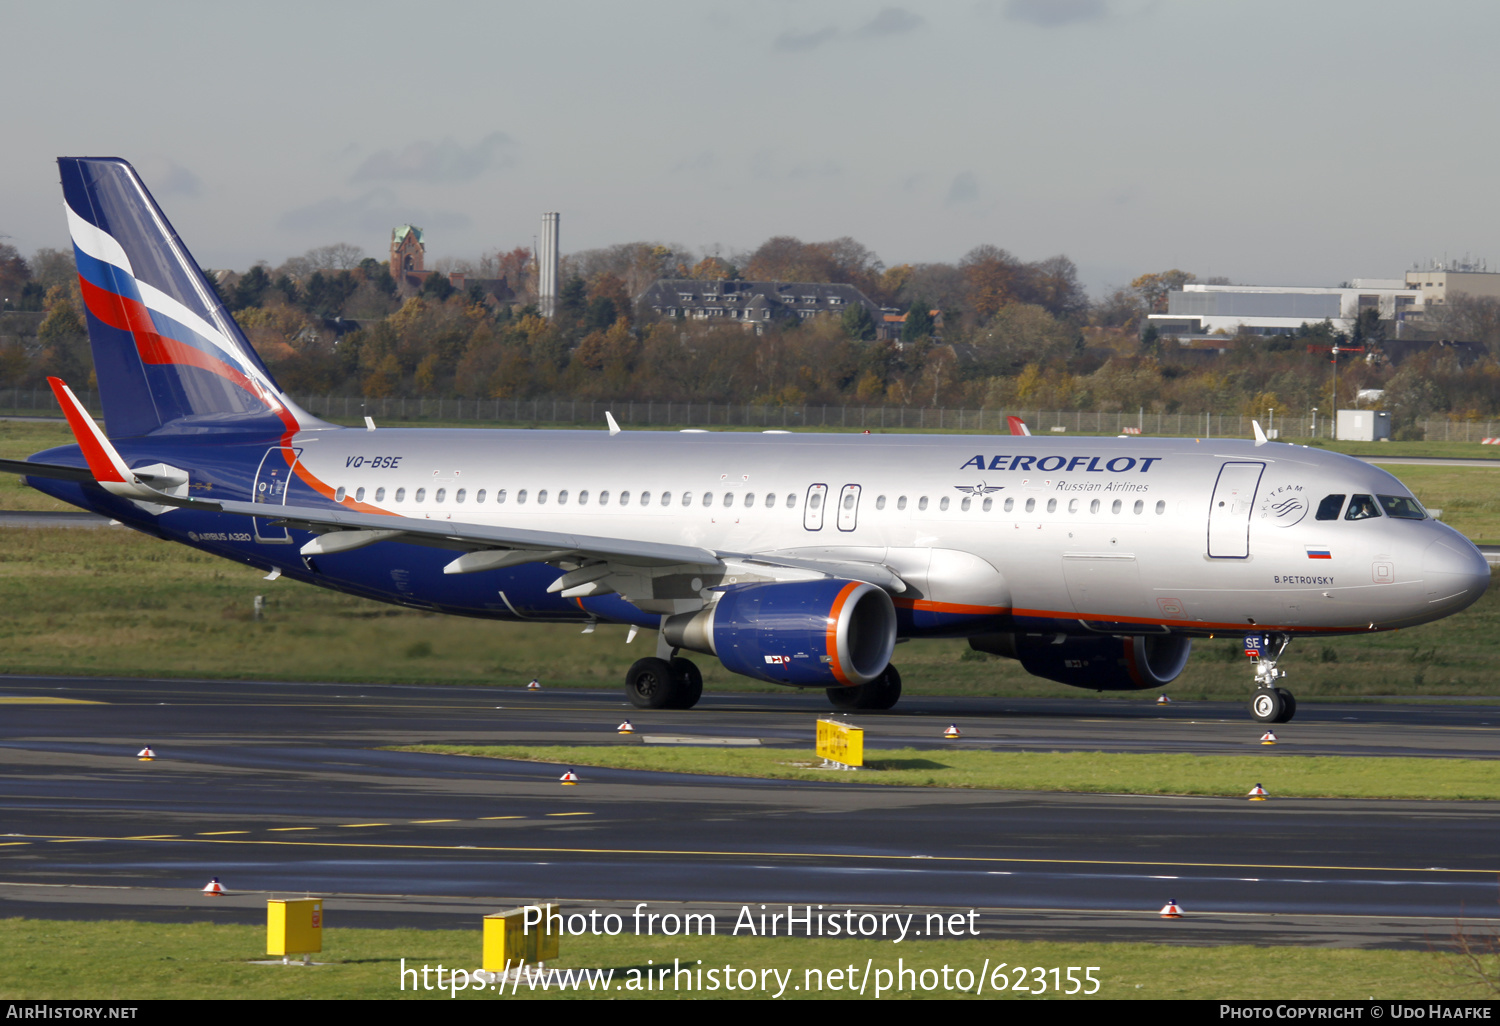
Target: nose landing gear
1271	704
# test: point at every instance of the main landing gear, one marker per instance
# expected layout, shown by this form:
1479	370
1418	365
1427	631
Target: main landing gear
881	693
664	684
1271	704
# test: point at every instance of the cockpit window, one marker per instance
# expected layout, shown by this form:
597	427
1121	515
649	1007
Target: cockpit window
1402	507
1362	507
1329	508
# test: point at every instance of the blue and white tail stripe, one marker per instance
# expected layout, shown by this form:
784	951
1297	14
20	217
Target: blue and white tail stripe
166	351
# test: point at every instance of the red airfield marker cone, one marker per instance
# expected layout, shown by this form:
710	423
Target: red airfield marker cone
626	728
1258	794
145	754
1163	700
1171	910
214	887
952	733
535	685
1268	738
570	777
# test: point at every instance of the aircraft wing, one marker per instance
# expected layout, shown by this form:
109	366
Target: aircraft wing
52	470
592	564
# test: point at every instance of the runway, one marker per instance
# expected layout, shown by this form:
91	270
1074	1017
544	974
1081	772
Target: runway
282	789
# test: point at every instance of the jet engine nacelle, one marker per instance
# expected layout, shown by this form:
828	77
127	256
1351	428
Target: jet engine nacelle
821	633
1101	662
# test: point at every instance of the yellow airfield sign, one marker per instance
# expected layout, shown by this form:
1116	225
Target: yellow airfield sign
840	743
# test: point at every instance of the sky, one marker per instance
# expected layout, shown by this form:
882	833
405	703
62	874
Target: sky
1267	141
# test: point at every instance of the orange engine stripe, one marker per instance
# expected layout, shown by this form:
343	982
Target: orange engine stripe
833	633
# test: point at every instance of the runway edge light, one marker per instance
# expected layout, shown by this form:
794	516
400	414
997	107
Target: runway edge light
214	887
1258	794
1171	910
1268	738
145	754
626	728
294	926
570	777
952	733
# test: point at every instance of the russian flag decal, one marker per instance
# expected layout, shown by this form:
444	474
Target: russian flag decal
1318	552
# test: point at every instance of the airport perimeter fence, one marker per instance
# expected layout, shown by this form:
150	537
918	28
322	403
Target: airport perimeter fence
570	413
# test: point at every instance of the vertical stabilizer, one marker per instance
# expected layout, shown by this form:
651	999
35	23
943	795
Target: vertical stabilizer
167	354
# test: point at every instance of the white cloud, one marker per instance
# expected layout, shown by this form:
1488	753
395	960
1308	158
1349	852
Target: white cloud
438	163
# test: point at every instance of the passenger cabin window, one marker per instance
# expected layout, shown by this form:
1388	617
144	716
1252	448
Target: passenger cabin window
359	495
901	502
1161	506
1094	506
770	500
421	495
338	494
728	499
442	493
708	498
1401	507
583	497
380	495
1030	505
966	503
943	503
645	499
500	497
815	500
666	498
687	498
1010	504
479	495
1139	508
1329	508
461	495
1362	507
1114	507
880	502
989	504
562	497
541	497
922	502
1051	505
604	497
400	494
1072	505
624	498
749	499
791	501
521	497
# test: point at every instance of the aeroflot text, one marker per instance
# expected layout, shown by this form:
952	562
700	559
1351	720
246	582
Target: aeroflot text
1047	464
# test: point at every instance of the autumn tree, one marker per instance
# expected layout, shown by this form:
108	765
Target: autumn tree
993	278
15	273
1153	288
857	322
919	324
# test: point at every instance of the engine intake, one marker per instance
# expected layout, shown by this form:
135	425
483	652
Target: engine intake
822	633
1100	662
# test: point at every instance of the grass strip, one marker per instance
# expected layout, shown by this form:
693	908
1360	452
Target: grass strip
139	961
1286	776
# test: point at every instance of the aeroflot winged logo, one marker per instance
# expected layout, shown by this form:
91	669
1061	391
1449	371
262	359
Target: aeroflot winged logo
980	489
1066	464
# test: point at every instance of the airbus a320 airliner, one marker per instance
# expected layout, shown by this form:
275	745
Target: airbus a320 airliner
800	559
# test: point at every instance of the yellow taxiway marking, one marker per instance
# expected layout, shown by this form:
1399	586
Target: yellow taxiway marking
282	830
216	833
434	821
841	856
347	826
502	817
570	813
44	700
150	837
12	844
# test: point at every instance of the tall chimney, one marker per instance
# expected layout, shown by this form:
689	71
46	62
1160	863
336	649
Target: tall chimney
547	266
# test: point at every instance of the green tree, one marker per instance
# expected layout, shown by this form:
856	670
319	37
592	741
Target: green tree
919	323
858	324
251	288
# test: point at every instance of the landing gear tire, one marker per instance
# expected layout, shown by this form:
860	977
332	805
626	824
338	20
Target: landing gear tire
881	693
1267	705
651	684
1288	705
689	683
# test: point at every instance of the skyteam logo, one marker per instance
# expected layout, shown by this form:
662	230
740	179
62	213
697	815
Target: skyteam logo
1283	507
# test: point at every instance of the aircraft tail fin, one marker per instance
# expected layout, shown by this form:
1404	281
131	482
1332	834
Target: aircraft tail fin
1017	426
167	354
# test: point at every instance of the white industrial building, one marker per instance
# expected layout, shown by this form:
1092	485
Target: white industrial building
1200	310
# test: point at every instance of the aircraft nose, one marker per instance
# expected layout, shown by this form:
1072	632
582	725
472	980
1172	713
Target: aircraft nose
1455	573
